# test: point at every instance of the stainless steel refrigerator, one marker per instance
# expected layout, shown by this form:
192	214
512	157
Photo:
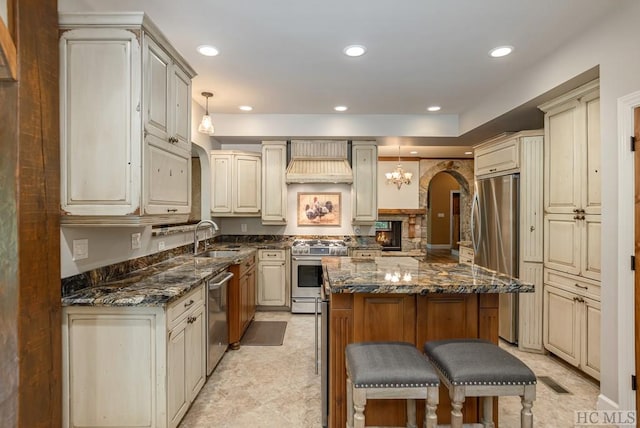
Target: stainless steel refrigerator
494	232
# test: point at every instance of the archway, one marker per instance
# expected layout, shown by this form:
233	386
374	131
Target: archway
462	171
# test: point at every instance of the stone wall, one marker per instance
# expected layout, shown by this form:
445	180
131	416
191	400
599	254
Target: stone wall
462	171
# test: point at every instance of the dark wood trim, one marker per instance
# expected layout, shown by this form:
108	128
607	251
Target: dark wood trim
402	211
636	133
30	308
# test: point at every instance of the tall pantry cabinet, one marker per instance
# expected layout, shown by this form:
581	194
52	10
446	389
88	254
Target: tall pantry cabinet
572	236
125	109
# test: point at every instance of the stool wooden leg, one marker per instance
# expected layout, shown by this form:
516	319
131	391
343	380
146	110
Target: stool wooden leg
457	394
526	415
411	413
487	412
430	417
359	402
349	403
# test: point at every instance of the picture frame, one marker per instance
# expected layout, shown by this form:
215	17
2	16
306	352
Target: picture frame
319	208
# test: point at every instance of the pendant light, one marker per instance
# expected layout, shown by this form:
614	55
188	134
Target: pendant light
206	125
398	176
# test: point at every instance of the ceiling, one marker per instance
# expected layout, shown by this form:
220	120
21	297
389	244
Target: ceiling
284	57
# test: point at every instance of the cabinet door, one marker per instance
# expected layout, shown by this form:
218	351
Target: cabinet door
274	186
562	243
177	395
531	199
590	237
365	179
591	178
181	108
564	136
195	371
499	157
531	309
221	173
167	178
561	325
252	284
271	283
590	359
157	68
99	124
247	184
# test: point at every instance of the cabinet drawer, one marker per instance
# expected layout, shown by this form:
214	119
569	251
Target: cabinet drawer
366	253
572	284
264	255
178	309
497	157
246	264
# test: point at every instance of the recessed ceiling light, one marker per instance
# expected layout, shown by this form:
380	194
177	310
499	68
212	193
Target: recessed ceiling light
468	153
341	108
207	50
245	108
501	51
354	50
434	108
413	152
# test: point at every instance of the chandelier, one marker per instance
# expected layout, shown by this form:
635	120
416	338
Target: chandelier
399	176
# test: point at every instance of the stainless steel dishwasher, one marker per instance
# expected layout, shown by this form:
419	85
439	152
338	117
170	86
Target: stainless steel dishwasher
218	333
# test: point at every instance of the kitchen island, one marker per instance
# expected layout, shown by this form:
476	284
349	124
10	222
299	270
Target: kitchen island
404	299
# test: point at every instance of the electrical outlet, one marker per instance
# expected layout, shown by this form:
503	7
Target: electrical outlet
80	249
135	240
243	227
160	245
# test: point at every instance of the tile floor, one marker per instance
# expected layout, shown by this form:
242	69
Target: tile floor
276	386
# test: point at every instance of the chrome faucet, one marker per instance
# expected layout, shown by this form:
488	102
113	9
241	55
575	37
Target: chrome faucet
195	233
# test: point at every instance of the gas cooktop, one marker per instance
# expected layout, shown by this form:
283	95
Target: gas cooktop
332	247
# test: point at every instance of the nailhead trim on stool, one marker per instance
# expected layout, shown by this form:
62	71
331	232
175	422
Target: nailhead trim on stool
478	368
393	370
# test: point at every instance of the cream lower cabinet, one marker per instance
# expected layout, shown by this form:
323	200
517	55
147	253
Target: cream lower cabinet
572	321
365	254
132	366
236	183
530	309
273	282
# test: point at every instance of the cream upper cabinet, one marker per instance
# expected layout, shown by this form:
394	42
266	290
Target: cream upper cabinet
572	183
235	183
124	104
572	152
497	156
274	185
364	200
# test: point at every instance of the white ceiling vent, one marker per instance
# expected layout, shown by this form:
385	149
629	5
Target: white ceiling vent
319	161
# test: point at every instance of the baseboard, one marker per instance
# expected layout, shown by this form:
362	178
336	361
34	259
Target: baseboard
605	403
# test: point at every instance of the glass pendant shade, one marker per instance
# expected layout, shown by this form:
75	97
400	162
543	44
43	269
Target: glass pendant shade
206	125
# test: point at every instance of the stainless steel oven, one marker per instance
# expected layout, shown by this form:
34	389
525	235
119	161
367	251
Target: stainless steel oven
306	271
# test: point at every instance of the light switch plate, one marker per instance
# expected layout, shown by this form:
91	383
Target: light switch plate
135	240
440	215
80	249
160	245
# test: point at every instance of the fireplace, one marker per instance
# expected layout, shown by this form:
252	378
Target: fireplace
389	235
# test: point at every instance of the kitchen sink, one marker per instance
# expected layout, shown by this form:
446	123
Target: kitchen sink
219	253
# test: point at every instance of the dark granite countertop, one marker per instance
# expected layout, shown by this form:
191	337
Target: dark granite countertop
407	275
159	284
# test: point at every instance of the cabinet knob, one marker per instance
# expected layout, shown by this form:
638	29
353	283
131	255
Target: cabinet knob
532	228
189	303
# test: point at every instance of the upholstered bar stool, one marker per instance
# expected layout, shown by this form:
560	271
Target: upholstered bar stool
389	370
477	368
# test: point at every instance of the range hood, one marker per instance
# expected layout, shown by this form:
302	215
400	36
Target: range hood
319	161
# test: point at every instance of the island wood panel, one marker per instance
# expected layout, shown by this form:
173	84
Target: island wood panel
384	317
361	316
341	334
